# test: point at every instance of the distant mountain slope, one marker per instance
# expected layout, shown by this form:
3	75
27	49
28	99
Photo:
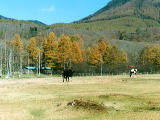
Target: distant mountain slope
144	9
33	21
37	22
27	29
132	18
2	17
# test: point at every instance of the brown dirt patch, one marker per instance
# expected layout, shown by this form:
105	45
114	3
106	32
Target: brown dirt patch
87	105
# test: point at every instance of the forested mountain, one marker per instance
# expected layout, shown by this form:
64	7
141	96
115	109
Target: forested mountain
122	28
131	20
37	22
9	27
143	9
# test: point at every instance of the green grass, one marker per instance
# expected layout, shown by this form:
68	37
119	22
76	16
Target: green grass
47	98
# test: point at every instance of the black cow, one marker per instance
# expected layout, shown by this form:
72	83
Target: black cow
133	72
66	74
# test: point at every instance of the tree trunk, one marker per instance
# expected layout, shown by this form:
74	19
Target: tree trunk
1	62
101	69
10	62
20	64
39	65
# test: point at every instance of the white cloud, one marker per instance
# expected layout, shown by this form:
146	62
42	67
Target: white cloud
50	9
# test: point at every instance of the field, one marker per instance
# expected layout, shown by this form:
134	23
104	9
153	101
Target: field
84	98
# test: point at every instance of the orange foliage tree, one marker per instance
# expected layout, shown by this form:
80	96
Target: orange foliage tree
64	51
95	56
32	52
17	50
50	50
76	53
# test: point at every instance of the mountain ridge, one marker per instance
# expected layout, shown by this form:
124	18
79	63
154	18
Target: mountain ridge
117	18
33	21
144	9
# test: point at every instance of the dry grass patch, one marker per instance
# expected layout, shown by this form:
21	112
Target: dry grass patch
96	98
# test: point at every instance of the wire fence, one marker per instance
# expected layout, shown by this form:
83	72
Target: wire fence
32	75
98	74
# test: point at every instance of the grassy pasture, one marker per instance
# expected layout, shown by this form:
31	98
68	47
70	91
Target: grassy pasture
122	98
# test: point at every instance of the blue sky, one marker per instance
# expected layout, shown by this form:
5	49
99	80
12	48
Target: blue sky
50	11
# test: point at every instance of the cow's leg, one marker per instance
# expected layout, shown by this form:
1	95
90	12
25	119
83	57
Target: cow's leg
63	79
66	79
130	74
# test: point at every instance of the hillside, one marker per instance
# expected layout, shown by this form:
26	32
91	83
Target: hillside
143	9
129	20
132	20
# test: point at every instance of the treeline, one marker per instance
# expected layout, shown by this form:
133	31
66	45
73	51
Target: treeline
149	60
69	52
60	53
140	35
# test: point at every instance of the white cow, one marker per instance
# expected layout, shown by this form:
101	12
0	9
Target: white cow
133	72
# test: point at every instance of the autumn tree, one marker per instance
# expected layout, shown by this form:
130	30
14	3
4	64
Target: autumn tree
80	41
107	55
76	53
87	53
148	55
77	38
156	55
123	57
39	41
114	55
50	50
17	51
102	49
64	51
32	52
94	57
